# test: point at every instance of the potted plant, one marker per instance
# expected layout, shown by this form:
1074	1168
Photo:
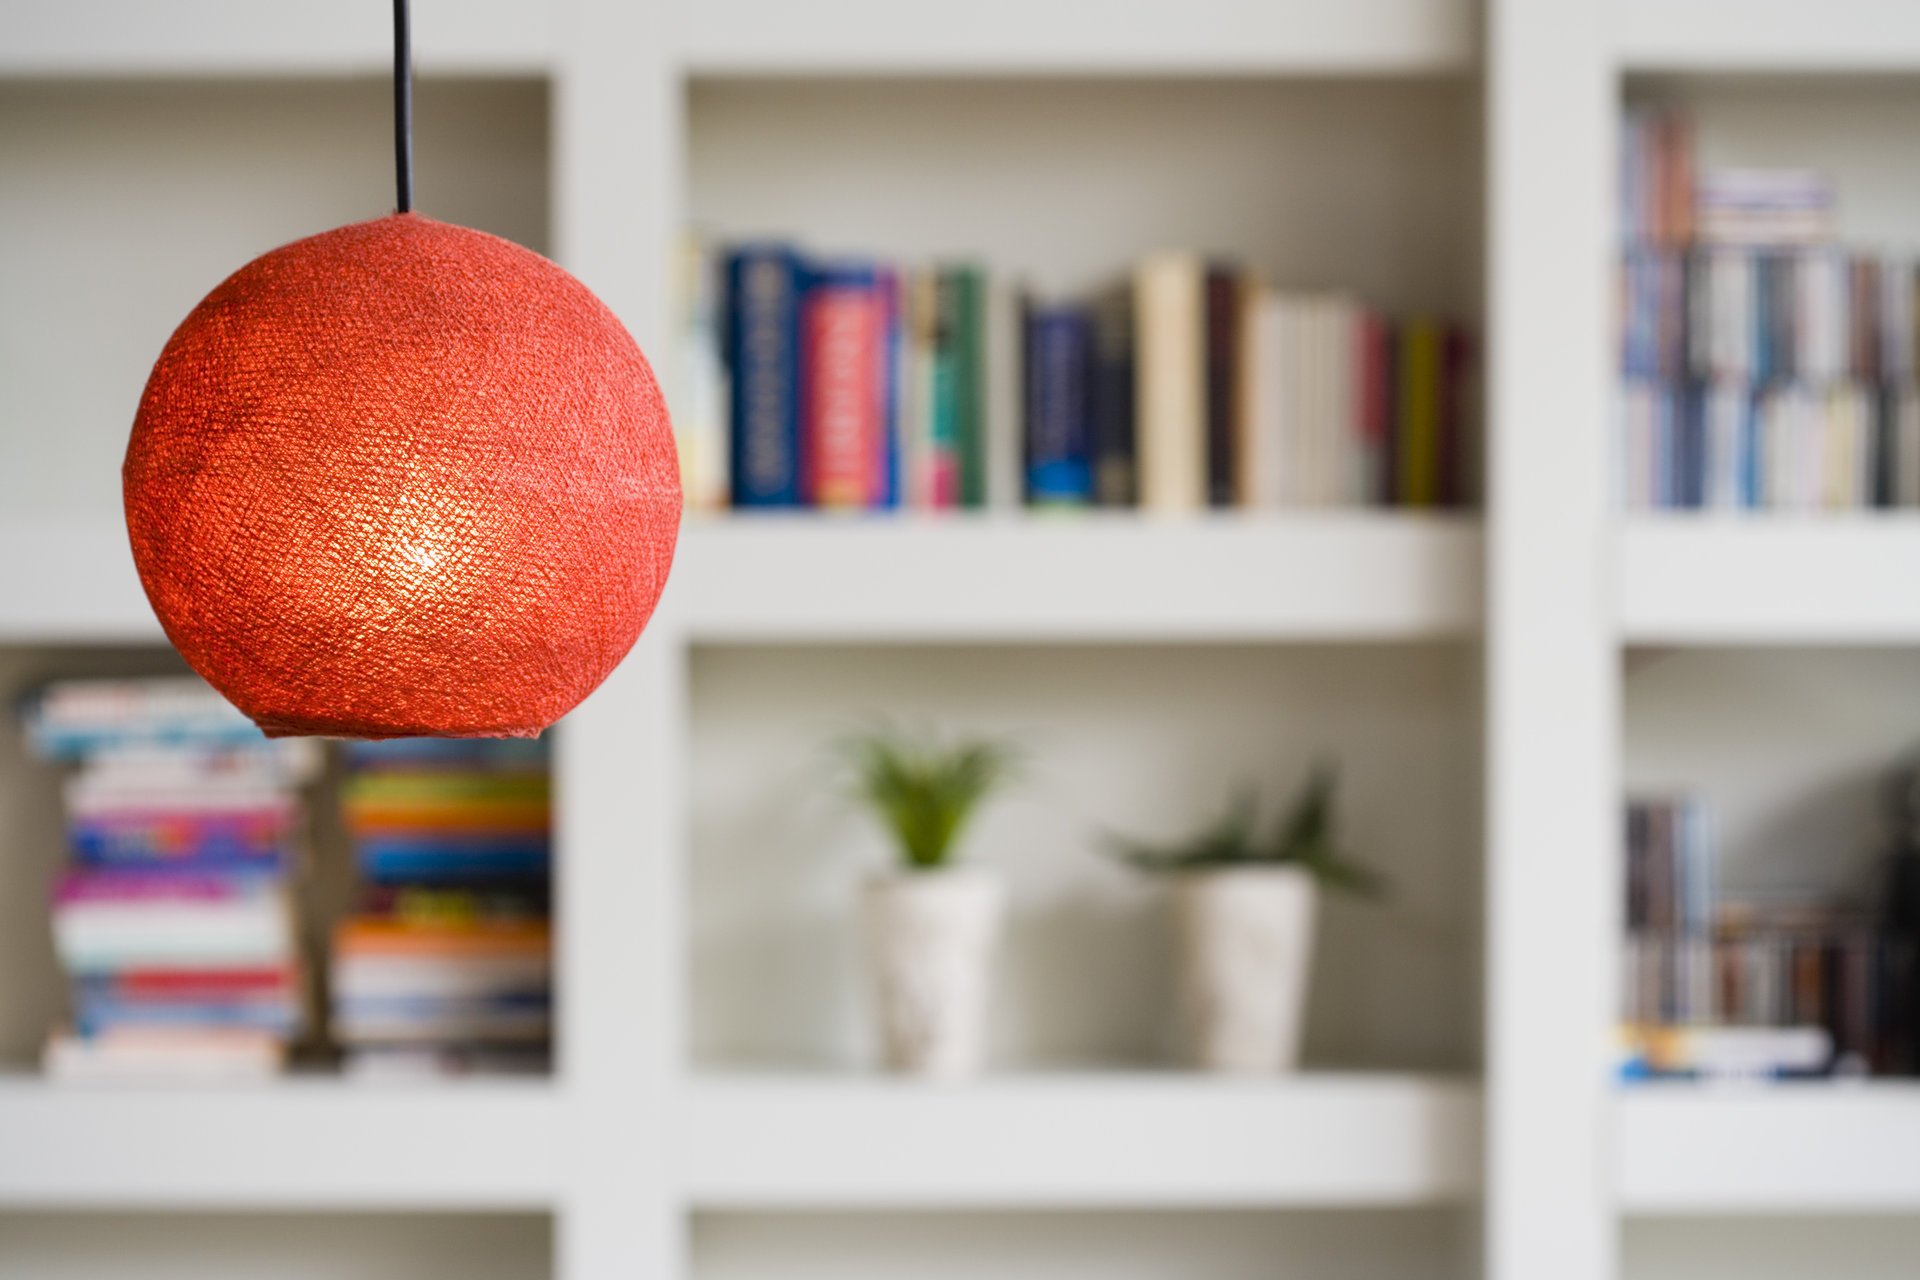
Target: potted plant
1244	902
932	924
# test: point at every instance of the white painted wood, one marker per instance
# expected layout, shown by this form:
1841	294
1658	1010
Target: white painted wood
308	1144
1077	1140
1359	576
1788	1149
1021	37
1552	697
1836	36
125	38
1833	579
1237	577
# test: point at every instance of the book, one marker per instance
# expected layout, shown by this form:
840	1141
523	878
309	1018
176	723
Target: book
1170	382
764	288
1058	430
698	394
1223	350
1110	399
963	320
844	362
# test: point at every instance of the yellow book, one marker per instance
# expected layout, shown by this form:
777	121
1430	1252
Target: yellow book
1417	482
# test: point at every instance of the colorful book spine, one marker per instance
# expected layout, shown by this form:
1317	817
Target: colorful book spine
1059	443
765	285
843	354
1223	356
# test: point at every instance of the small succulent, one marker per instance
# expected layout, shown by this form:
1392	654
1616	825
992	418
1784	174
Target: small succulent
1305	837
924	790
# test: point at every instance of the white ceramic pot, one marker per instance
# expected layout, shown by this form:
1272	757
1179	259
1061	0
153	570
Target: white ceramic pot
1246	942
932	936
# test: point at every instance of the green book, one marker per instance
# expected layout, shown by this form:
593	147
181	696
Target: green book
963	295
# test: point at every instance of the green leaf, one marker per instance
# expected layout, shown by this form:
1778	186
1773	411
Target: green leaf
924	791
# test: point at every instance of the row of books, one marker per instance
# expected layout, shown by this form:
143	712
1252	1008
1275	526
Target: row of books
174	919
445	964
1726	447
855	385
1750	988
1761	317
1763	367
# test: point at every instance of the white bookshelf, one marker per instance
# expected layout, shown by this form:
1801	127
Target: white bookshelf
1769	580
1115	1140
1751	1152
307	1144
1433	153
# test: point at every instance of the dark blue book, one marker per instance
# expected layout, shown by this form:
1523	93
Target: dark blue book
1059	442
764	288
394	860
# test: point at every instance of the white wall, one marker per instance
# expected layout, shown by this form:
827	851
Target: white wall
125	203
1365	185
1223	1245
191	1246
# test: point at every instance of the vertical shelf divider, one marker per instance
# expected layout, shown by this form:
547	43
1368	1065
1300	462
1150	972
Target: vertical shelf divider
1552	684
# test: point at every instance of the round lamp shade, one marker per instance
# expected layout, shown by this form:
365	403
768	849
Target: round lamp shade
402	478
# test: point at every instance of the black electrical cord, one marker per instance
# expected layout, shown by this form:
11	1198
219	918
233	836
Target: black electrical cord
403	106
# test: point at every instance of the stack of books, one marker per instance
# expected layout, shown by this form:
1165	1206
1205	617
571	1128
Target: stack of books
174	921
1755	988
856	385
445	965
1764	365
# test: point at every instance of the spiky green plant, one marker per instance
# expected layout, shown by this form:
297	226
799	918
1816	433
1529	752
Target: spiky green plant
1306	836
924	790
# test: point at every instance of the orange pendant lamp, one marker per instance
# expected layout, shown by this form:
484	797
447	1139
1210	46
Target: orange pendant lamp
402	479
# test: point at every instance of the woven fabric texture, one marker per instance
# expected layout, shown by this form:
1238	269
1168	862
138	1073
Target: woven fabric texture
402	478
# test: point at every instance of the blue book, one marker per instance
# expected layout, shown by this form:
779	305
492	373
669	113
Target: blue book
399	860
1059	435
764	288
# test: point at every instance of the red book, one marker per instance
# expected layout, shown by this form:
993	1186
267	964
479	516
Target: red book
190	985
841	350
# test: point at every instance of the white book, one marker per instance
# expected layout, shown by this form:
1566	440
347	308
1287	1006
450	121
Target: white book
1004	419
1906	457
1262	441
697	394
1725	457
96	937
1170	381
161	1055
1347	470
367	977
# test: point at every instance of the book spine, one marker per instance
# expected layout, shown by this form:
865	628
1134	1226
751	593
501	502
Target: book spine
1223	376
843	370
763	345
889	390
1169	329
1418	427
699	408
1059	461
966	326
944	396
1111	400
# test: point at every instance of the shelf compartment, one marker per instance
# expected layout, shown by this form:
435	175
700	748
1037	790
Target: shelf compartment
1079	578
1765	1149
1770	579
1078	1140
1758	36
1009	37
299	1143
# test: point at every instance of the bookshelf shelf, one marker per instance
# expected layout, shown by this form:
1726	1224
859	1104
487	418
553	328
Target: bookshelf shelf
1079	1140
299	1143
1128	578
1814	1148
1765	36
1011	38
817	578
126	38
1769	580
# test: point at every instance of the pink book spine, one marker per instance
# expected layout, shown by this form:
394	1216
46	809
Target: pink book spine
841	347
